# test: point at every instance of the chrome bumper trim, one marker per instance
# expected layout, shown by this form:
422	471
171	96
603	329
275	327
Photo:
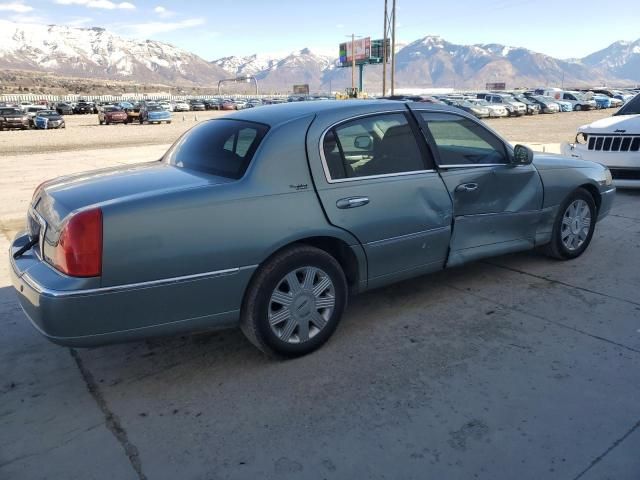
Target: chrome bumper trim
129	286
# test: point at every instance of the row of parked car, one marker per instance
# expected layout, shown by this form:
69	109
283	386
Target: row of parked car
530	102
13	117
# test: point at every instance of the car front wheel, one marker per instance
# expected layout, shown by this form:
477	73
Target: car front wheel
294	302
573	227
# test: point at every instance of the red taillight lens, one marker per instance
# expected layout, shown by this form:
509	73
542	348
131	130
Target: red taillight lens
79	249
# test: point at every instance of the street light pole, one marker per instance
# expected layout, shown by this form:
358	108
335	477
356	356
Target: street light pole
393	48
384	52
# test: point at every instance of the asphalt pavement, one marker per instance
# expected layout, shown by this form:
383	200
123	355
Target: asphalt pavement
515	367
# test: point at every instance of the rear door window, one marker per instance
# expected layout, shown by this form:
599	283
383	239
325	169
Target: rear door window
220	147
372	146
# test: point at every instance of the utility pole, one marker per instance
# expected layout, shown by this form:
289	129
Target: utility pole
393	47
353	61
384	52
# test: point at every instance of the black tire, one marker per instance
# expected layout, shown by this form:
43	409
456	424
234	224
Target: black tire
577	108
556	248
101	122
254	316
141	121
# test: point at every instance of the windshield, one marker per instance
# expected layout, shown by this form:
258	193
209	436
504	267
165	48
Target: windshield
47	113
153	108
632	107
220	147
10	111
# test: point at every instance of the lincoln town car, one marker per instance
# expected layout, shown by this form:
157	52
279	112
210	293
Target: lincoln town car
269	219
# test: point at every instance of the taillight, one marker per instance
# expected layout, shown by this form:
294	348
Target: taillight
79	249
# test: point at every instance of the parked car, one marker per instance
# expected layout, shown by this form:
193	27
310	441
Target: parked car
48	119
64	108
166	106
228	104
614	142
197	105
83	108
269	219
13	117
547	105
477	111
495	110
514	107
32	111
240	104
181	107
112	114
565	105
578	101
532	107
133	113
154	114
212	104
602	101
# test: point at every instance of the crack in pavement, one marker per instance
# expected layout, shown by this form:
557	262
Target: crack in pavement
607	451
111	420
540	317
559	282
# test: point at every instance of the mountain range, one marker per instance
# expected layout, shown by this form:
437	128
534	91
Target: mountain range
425	63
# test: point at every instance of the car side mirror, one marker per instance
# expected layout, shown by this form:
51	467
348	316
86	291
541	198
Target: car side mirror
362	142
522	155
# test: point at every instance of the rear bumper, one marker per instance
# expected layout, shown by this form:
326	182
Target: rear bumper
85	317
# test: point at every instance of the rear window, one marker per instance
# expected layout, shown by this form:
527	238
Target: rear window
221	147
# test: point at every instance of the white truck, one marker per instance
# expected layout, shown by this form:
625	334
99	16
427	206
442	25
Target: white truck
613	142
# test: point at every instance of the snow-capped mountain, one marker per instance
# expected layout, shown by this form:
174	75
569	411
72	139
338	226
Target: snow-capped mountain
95	52
427	62
300	66
621	59
250	65
441	63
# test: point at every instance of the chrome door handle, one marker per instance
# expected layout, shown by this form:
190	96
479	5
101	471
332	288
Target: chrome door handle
352	202
467	187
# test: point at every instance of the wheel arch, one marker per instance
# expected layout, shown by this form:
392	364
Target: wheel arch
594	192
350	257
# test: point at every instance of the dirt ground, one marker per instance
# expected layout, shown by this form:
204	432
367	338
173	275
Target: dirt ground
83	132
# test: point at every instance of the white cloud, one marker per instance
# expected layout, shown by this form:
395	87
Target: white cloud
103	4
163	12
146	30
16	7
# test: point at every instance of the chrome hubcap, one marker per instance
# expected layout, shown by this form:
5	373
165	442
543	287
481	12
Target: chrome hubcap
301	304
576	223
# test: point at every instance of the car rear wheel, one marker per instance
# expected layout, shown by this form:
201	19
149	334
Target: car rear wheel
294	302
577	108
573	227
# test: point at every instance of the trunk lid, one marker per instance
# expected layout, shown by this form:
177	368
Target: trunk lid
59	197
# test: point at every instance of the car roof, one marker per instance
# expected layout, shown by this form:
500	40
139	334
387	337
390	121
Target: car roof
273	115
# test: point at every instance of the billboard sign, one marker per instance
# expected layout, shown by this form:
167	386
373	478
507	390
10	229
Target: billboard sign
496	86
301	89
362	47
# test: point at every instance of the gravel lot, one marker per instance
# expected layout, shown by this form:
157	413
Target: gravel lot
517	367
84	132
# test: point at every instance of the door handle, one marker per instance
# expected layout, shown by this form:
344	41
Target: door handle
352	202
467	187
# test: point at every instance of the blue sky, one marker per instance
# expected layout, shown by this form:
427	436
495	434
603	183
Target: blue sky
216	28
